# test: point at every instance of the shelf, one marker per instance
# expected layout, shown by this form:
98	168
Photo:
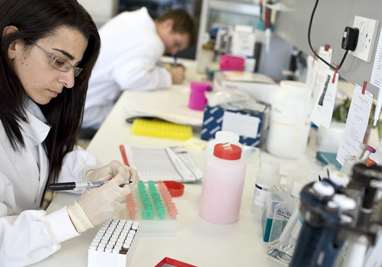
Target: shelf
236	7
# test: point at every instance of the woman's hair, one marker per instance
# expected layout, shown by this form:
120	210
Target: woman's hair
36	19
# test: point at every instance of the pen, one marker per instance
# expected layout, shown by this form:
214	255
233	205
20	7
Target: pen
122	149
74	185
175	60
78	185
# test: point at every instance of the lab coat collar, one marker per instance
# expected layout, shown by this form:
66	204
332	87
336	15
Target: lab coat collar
150	23
36	127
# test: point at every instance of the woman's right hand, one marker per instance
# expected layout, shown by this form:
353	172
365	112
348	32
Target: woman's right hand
110	170
98	204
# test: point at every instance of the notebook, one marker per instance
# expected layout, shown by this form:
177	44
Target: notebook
159	164
169	105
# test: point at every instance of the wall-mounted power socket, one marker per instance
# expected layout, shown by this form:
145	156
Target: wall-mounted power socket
366	38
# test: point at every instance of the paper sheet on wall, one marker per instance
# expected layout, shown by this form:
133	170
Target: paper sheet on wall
319	78
323	111
356	125
376	78
317	72
310	72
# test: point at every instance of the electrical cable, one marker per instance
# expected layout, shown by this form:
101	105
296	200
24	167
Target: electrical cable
334	67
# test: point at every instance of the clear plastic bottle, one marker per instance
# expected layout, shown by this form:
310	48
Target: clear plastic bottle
223	184
268	175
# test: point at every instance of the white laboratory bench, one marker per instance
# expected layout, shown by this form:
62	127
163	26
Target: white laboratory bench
195	241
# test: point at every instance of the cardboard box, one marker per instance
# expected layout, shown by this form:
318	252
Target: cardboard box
249	123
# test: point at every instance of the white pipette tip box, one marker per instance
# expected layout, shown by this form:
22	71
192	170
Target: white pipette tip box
113	243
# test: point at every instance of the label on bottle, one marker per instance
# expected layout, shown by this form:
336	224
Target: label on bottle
261	193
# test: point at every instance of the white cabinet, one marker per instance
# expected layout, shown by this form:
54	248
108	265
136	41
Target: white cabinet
245	12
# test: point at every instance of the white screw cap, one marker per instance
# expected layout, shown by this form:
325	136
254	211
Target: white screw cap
339	179
344	202
323	189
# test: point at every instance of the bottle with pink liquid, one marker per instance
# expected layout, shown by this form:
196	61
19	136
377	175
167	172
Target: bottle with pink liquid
223	184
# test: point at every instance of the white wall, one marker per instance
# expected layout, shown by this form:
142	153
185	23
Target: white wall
100	10
330	20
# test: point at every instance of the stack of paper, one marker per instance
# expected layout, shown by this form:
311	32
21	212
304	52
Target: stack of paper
159	164
170	105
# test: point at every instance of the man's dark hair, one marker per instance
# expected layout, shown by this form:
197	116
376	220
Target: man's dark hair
183	22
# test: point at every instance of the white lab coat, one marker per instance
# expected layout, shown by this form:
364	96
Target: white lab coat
128	60
28	235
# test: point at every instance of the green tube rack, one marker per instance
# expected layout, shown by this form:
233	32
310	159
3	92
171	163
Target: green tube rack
152	206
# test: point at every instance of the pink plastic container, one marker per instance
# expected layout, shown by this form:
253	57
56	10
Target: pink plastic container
198	100
233	63
223	184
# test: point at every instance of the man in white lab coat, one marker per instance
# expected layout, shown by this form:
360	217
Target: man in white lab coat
132	44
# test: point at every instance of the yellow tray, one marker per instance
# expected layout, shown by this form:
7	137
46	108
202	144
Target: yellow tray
161	129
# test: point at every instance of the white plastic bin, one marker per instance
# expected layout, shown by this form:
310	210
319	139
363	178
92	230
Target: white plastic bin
289	122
